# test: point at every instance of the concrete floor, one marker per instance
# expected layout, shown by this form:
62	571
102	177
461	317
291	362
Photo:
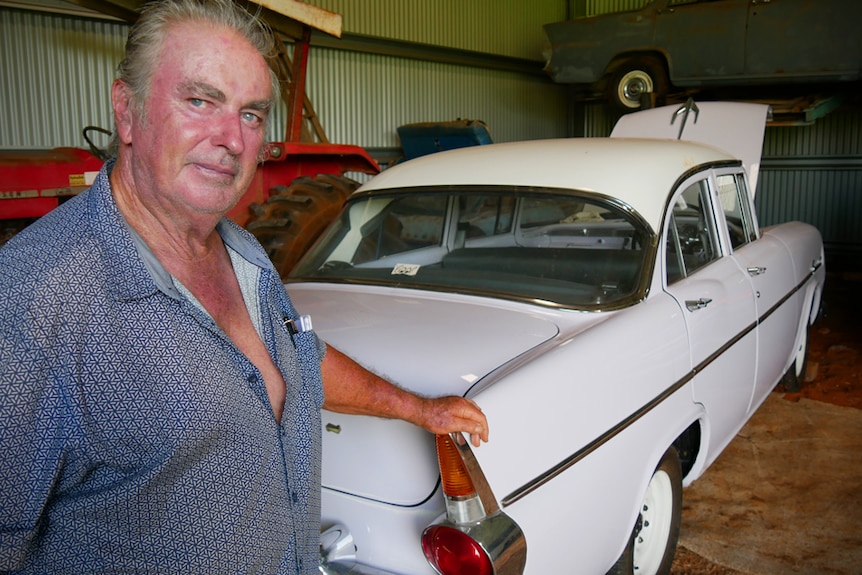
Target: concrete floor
786	495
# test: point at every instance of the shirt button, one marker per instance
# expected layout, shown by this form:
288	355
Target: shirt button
294	496
252	378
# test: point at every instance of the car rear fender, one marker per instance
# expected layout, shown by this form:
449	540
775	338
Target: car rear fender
582	454
622	58
804	244
598	499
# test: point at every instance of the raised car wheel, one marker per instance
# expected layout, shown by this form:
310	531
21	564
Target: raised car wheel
634	78
653	541
795	374
294	216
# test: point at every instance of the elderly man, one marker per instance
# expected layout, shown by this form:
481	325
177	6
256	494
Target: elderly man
161	403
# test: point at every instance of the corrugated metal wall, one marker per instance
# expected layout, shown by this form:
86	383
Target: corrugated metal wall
595	7
579	8
363	98
504	27
56	77
57	70
814	174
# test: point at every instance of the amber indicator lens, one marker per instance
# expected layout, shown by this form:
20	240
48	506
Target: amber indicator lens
456	481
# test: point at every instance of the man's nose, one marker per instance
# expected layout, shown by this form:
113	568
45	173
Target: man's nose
228	133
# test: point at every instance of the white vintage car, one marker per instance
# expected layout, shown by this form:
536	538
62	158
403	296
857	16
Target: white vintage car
612	306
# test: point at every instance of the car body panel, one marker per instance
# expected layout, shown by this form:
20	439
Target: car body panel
735	127
582	400
724	383
569	403
718	42
434	360
594	500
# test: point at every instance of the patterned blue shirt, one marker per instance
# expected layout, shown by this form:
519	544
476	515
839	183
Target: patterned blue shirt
135	436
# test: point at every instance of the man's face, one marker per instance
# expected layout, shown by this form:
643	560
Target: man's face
196	149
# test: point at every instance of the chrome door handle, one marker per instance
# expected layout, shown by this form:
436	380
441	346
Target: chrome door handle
696	304
756	271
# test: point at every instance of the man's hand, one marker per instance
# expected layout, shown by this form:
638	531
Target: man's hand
350	388
449	414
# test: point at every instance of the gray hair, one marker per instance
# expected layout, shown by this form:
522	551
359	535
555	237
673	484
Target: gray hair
146	36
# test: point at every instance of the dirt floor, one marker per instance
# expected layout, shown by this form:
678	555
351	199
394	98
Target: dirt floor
833	375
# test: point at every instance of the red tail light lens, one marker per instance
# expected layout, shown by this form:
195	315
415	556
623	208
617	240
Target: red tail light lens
452	552
456	480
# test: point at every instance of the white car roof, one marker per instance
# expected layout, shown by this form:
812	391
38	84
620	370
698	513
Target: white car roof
639	172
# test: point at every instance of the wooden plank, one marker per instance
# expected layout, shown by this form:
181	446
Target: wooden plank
311	16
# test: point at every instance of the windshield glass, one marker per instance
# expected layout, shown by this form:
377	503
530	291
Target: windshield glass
564	249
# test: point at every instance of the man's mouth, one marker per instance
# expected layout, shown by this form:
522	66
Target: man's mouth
218	170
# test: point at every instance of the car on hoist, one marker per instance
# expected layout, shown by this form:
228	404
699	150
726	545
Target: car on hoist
701	43
611	304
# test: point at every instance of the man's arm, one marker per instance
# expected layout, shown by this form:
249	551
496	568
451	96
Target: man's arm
352	389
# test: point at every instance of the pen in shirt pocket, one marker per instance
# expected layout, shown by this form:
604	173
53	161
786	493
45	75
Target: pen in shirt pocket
301	324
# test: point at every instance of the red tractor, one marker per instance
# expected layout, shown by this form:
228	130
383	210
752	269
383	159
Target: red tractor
297	191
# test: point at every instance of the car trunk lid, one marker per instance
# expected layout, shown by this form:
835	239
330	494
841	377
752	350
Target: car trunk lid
389	460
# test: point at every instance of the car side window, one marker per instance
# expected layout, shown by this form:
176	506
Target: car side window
733	197
691	239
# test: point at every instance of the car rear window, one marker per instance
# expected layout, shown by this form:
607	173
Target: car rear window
564	249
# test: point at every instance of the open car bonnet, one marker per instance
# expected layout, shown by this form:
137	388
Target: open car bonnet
459	343
734	127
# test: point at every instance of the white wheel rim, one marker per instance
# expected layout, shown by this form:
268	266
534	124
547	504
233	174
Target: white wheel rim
632	85
656	518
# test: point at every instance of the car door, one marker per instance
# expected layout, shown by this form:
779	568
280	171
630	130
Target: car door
788	38
704	39
767	263
717	301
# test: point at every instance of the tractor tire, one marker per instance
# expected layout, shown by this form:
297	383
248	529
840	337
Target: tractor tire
294	216
8	228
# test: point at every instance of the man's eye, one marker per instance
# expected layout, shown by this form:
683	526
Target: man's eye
196	102
251	118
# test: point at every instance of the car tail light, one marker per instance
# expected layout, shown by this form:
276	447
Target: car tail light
452	552
463	504
475	537
453	474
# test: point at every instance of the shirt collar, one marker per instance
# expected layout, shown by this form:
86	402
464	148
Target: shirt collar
135	270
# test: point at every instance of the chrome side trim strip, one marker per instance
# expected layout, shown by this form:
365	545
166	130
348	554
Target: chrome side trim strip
540	480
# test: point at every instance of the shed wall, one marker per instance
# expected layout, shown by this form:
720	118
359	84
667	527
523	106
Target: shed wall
504	27
57	70
814	174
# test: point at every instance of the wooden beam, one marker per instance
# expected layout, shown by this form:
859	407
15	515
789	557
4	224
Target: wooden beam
309	15
286	16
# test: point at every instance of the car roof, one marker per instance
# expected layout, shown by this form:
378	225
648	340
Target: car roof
638	172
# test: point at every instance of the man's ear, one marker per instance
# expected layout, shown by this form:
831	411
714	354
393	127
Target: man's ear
121	100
